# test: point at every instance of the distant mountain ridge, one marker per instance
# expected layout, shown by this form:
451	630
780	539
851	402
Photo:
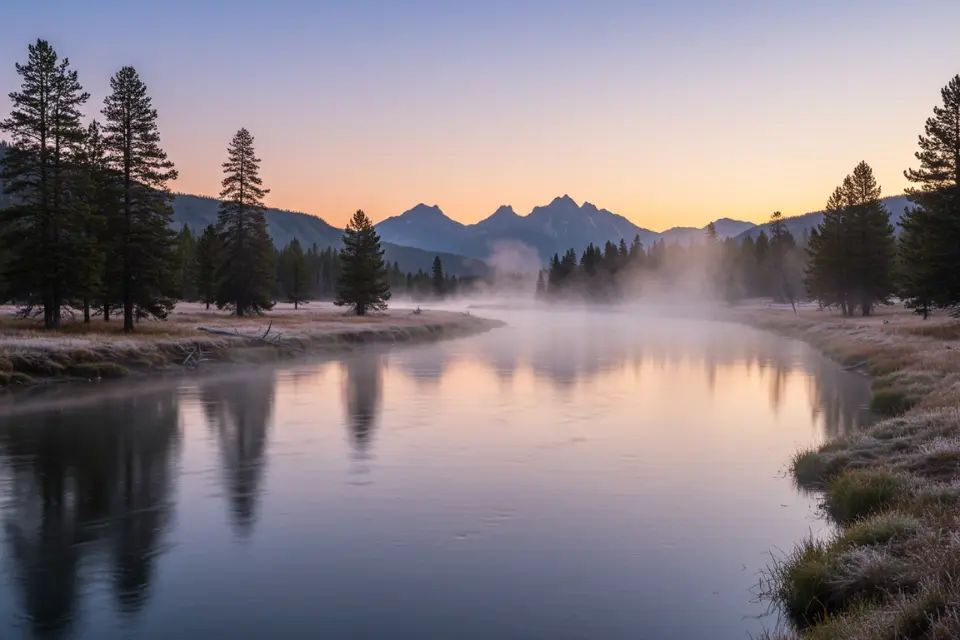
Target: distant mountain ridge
548	229
284	226
797	225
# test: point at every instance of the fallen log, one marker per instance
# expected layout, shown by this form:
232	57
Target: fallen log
260	339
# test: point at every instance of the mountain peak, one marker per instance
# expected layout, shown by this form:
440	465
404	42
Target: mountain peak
565	200
504	210
424	210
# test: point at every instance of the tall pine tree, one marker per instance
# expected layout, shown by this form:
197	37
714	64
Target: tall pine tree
931	243
871	250
49	251
144	246
99	193
246	274
363	282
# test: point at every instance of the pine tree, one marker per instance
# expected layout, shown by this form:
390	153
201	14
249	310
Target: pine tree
207	260
100	194
872	250
437	277
246	276
363	281
828	273
931	250
712	232
541	285
781	244
49	252
145	246
294	274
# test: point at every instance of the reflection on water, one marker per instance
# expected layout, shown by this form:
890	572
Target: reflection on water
568	476
87	486
238	412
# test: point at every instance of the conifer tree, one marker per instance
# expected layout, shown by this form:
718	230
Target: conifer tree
363	281
437	276
100	195
541	285
246	274
931	250
781	243
293	273
871	251
144	251
49	252
207	261
828	270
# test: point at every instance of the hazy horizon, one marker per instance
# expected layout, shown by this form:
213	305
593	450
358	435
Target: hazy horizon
668	115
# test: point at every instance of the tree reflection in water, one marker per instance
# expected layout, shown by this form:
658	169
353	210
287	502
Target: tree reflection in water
239	411
363	395
88	488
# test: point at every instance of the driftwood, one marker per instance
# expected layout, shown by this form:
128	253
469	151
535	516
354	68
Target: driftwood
276	340
196	356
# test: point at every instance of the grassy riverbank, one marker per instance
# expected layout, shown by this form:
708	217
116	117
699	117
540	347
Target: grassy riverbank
892	570
193	336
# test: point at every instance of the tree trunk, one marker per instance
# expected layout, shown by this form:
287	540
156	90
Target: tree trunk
296	305
106	312
86	311
208	306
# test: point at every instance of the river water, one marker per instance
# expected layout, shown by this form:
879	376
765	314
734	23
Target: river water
573	475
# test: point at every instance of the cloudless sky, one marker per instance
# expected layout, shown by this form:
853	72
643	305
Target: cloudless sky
670	113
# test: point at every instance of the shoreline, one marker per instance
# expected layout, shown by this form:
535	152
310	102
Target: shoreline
892	569
193	339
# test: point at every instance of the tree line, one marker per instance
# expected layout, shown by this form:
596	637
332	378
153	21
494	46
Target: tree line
851	261
770	266
85	219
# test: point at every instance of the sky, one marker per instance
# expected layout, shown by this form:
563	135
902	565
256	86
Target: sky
670	113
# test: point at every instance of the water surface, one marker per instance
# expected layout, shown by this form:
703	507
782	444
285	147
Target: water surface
574	475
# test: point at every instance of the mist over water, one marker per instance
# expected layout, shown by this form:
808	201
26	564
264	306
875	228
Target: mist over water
577	474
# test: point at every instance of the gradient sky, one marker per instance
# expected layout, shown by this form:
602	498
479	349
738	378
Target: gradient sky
670	113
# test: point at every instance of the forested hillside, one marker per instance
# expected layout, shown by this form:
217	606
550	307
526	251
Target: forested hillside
284	226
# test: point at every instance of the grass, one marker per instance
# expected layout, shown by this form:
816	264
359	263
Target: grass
101	350
891	570
890	402
857	493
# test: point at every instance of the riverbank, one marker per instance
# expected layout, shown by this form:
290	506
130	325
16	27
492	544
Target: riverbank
892	570
194	337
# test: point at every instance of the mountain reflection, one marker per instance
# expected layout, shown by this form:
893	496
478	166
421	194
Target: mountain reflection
239	412
363	395
87	487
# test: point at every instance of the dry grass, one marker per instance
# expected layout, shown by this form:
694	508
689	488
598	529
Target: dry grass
892	570
101	349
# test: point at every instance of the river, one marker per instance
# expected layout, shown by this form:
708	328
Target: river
572	475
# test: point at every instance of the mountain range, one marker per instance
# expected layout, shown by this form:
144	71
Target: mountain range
548	229
562	224
284	226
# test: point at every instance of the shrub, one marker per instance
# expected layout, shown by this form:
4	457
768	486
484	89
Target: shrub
858	493
880	529
890	402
